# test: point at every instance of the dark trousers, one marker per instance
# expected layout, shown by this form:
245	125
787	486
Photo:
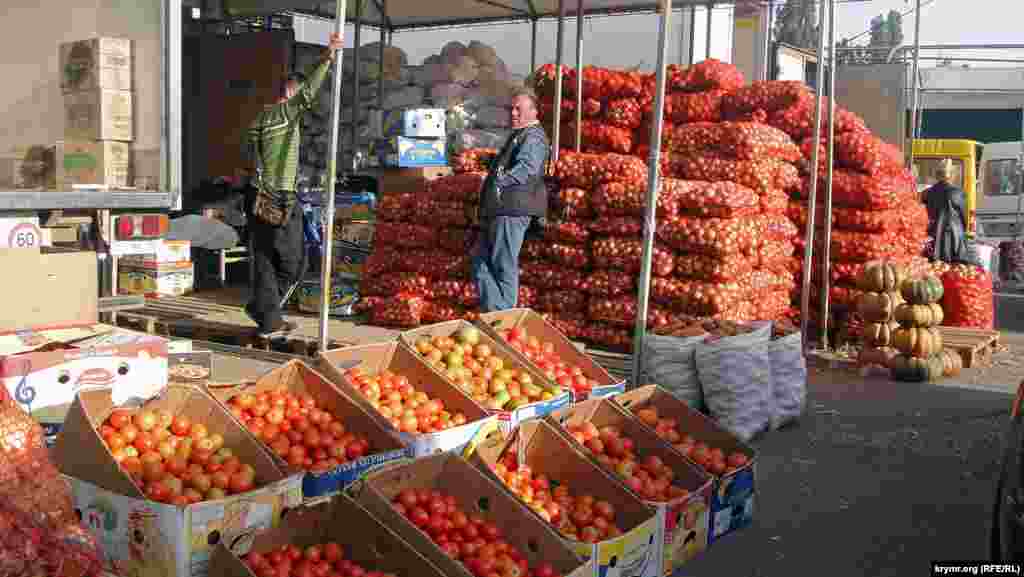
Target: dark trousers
277	260
496	261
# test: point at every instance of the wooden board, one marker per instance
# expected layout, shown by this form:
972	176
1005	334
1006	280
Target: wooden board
975	346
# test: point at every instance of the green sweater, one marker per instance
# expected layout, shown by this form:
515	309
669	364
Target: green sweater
275	134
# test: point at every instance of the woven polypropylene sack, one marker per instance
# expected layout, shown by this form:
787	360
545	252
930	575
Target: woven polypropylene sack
670	363
789	380
735	374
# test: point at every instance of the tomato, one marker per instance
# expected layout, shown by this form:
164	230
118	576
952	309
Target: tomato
157	491
333	552
419	517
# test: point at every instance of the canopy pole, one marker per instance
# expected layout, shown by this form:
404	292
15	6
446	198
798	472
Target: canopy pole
341	8
579	76
826	249
653	187
556	131
383	37
358	69
914	86
707	48
533	45
812	196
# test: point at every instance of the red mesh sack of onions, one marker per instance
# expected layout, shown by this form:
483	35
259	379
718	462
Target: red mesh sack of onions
772	254
569	324
713	268
586	170
433	264
968	299
527	296
715	199
739	140
863	247
608	336
571	203
620	226
473	159
402	310
622	312
697	297
456	239
462	187
598	137
437	213
591	109
567	232
624	113
396	207
544	79
630	199
457	291
405	234
545	275
857	190
389	284
713	74
440	311
606	84
767	95
683	107
625	254
773	201
560	301
798	120
573	256
857	151
711	236
759	175
608	283
383	259
533	250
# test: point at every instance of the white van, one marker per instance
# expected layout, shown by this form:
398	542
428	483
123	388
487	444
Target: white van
1000	207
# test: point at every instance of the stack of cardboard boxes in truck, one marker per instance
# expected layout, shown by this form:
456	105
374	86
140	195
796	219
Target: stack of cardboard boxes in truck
96	79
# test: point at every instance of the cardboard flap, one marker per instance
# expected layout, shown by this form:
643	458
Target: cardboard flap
81	453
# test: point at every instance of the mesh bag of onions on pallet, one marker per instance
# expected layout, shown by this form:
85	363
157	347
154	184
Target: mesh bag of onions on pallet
39	531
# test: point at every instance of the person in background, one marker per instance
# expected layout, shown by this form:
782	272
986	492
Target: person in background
947	219
513	198
277	252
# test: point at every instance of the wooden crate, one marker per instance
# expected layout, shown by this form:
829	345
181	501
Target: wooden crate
975	346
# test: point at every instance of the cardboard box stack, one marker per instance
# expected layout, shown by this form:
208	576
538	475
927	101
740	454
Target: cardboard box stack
169	271
96	79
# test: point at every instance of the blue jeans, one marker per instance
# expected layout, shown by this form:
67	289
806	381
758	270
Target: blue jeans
496	261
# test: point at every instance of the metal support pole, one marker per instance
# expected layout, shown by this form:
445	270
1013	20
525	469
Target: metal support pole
914	85
693	37
383	38
653	187
326	267
826	250
556	130
579	76
812	200
707	48
533	45
358	69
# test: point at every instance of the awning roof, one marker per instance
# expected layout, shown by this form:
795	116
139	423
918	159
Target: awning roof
425	13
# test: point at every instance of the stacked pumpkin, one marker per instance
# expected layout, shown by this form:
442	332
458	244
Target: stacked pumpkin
922	357
880	282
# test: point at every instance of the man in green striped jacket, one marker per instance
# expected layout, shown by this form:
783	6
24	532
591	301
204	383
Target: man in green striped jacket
277	252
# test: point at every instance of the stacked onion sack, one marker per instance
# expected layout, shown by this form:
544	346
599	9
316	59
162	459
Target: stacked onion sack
880	283
39	531
723	240
922	356
876	212
968	295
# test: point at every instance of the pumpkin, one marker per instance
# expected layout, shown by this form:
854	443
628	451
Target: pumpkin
952	363
881	277
877	307
879	334
881	356
916	369
922	291
930	315
917	341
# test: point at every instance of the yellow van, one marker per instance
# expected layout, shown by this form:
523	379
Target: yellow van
966	156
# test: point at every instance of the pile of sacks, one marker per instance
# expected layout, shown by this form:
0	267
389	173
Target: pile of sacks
470	81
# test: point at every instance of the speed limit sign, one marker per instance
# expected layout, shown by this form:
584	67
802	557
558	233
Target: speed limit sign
20	232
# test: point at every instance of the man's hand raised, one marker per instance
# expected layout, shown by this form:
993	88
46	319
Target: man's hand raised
336	43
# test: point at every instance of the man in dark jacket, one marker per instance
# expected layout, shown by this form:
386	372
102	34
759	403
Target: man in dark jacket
513	196
947	220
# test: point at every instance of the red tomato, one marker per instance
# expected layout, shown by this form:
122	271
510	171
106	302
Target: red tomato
333	552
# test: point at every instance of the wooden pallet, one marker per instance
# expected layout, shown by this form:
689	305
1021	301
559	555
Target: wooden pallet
975	346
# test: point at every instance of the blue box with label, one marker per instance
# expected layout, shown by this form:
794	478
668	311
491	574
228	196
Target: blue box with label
403	152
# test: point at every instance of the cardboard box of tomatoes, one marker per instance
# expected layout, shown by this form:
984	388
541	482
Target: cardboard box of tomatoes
536	341
334	538
442	502
162	482
308	426
487	370
619	443
730	462
406	395
597	515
